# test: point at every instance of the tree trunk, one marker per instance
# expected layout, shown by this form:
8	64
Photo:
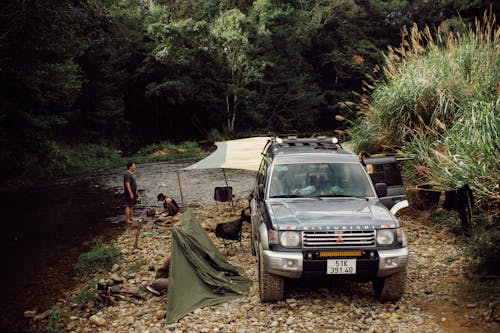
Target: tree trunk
231	110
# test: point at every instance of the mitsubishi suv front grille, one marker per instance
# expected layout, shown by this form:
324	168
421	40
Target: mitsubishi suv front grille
339	238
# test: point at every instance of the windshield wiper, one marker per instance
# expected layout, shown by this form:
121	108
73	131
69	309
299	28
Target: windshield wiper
341	196
333	195
290	196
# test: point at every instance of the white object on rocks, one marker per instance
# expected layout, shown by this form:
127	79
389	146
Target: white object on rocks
97	320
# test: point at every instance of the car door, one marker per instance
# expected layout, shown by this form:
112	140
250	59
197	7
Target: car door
257	203
386	170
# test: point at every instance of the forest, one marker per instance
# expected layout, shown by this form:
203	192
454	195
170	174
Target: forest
125	74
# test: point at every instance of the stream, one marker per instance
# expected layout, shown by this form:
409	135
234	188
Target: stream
47	227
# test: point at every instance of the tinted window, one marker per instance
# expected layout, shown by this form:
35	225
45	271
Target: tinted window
385	173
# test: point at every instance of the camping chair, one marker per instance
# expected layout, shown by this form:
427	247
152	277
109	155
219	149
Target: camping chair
223	194
229	231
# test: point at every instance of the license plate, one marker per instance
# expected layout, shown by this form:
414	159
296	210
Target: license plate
341	266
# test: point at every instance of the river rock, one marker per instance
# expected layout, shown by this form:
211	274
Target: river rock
160	314
97	320
42	315
29	314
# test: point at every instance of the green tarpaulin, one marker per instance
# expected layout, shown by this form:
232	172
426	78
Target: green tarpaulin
199	274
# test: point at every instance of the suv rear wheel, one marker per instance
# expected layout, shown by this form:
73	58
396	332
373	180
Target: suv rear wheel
271	287
390	288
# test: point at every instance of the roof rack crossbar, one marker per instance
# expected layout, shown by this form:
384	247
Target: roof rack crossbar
321	140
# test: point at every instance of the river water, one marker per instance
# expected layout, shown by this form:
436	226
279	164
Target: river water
47	227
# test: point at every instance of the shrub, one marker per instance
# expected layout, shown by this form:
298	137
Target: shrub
91	157
166	151
54	323
85	295
101	257
485	245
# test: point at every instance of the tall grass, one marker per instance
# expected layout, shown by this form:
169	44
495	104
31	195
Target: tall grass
437	99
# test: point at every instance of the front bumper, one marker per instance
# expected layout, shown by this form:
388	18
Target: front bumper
392	261
287	264
293	265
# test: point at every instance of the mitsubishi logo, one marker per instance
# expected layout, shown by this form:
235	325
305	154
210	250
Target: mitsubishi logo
340	239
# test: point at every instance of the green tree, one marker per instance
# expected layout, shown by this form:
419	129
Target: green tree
289	98
41	78
232	51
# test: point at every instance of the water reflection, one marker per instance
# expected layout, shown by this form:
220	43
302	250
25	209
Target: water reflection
44	231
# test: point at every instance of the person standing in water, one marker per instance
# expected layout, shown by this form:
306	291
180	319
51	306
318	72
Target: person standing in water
130	192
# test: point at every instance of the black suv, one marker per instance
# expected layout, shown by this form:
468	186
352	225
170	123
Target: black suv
318	210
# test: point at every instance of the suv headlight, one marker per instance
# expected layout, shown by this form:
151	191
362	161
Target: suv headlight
385	236
290	238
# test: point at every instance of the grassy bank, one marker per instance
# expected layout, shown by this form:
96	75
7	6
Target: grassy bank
87	158
59	160
438	102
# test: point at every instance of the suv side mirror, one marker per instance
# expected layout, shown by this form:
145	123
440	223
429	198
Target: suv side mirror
381	189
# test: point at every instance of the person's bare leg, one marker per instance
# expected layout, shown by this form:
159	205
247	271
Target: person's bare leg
129	214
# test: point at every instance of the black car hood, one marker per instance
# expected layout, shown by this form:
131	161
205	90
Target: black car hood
326	213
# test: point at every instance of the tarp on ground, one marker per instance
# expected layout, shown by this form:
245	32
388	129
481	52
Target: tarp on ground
199	274
244	154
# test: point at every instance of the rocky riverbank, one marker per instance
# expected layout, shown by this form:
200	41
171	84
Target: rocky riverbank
436	297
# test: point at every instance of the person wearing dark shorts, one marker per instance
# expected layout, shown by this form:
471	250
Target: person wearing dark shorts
130	192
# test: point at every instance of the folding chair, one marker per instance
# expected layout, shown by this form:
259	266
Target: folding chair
223	194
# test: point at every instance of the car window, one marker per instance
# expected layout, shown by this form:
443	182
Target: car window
386	173
261	174
319	179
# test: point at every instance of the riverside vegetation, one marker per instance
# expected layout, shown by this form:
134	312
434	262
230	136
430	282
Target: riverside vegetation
64	160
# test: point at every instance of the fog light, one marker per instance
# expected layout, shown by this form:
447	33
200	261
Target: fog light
391	262
290	262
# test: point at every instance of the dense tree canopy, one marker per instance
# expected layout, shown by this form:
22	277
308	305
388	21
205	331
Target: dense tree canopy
125	73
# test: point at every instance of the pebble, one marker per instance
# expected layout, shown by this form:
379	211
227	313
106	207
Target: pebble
97	320
29	314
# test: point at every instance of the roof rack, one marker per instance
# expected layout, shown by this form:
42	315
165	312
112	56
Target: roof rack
293	141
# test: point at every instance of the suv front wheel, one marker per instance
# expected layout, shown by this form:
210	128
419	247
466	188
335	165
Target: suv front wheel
391	287
271	286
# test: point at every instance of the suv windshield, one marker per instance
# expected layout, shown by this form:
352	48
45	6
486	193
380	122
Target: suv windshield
319	180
